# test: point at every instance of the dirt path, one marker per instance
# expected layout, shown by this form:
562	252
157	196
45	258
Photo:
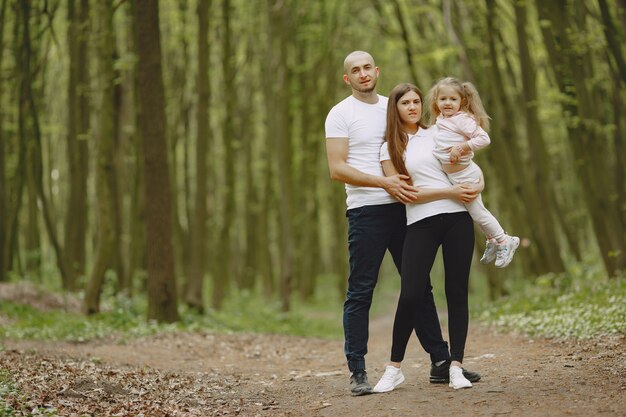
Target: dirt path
271	375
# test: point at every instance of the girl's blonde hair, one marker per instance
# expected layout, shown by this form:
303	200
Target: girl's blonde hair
470	100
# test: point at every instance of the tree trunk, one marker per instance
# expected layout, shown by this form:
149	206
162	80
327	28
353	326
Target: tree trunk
542	203
34	142
505	155
612	36
279	120
32	241
162	302
178	138
137	225
3	184
105	154
224	271
589	148
77	149
195	287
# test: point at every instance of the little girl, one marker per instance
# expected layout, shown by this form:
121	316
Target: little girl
461	121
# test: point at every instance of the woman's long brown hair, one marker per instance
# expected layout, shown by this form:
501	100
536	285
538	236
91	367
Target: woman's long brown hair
396	137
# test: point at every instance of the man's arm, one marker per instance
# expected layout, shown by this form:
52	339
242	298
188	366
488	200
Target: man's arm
337	154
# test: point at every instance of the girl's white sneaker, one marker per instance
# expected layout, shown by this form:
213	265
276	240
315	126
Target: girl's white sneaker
457	380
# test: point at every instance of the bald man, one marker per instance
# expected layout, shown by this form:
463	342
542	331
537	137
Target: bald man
355	131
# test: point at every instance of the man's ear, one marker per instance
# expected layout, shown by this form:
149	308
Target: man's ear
346	79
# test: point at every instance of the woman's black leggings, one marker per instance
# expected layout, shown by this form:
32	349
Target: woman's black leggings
454	232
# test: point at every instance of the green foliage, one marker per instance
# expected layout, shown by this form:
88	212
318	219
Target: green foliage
125	318
578	303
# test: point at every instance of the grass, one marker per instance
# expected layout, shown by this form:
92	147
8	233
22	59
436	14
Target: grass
580	303
125	318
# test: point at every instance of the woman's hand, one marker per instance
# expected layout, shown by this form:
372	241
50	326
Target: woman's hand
465	193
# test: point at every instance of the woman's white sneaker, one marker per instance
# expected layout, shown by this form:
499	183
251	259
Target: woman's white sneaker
391	378
457	380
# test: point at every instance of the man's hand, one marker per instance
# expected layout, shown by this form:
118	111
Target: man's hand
398	187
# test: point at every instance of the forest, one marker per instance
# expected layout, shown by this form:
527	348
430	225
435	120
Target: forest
175	149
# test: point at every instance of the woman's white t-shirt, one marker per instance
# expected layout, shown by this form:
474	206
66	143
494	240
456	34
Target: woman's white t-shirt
364	125
425	171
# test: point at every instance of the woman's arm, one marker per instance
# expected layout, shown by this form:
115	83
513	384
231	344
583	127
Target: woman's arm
465	193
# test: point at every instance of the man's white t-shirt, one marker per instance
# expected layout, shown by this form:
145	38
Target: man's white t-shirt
425	171
364	126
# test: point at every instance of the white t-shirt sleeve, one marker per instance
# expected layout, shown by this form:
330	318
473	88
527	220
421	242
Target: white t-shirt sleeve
336	125
384	153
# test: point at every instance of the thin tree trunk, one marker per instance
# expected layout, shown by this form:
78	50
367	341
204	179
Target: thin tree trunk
224	271
279	119
162	302
14	198
178	132
620	147
117	178
612	39
32	242
138	257
105	206
77	148
3	184
35	142
406	40
194	294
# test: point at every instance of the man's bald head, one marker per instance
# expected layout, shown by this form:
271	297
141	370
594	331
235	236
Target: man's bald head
361	73
355	56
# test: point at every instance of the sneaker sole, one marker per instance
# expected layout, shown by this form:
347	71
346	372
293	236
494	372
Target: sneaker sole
440	380
362	392
512	254
464	386
392	388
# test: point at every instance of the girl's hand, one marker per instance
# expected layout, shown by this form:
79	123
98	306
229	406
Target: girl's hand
455	153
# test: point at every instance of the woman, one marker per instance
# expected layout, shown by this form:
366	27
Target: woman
439	218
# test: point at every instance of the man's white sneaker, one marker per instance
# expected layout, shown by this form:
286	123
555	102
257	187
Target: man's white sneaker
457	380
490	252
505	251
391	378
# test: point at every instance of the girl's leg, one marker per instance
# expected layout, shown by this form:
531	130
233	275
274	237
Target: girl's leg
481	216
485	220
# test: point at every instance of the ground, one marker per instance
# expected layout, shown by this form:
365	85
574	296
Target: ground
185	374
